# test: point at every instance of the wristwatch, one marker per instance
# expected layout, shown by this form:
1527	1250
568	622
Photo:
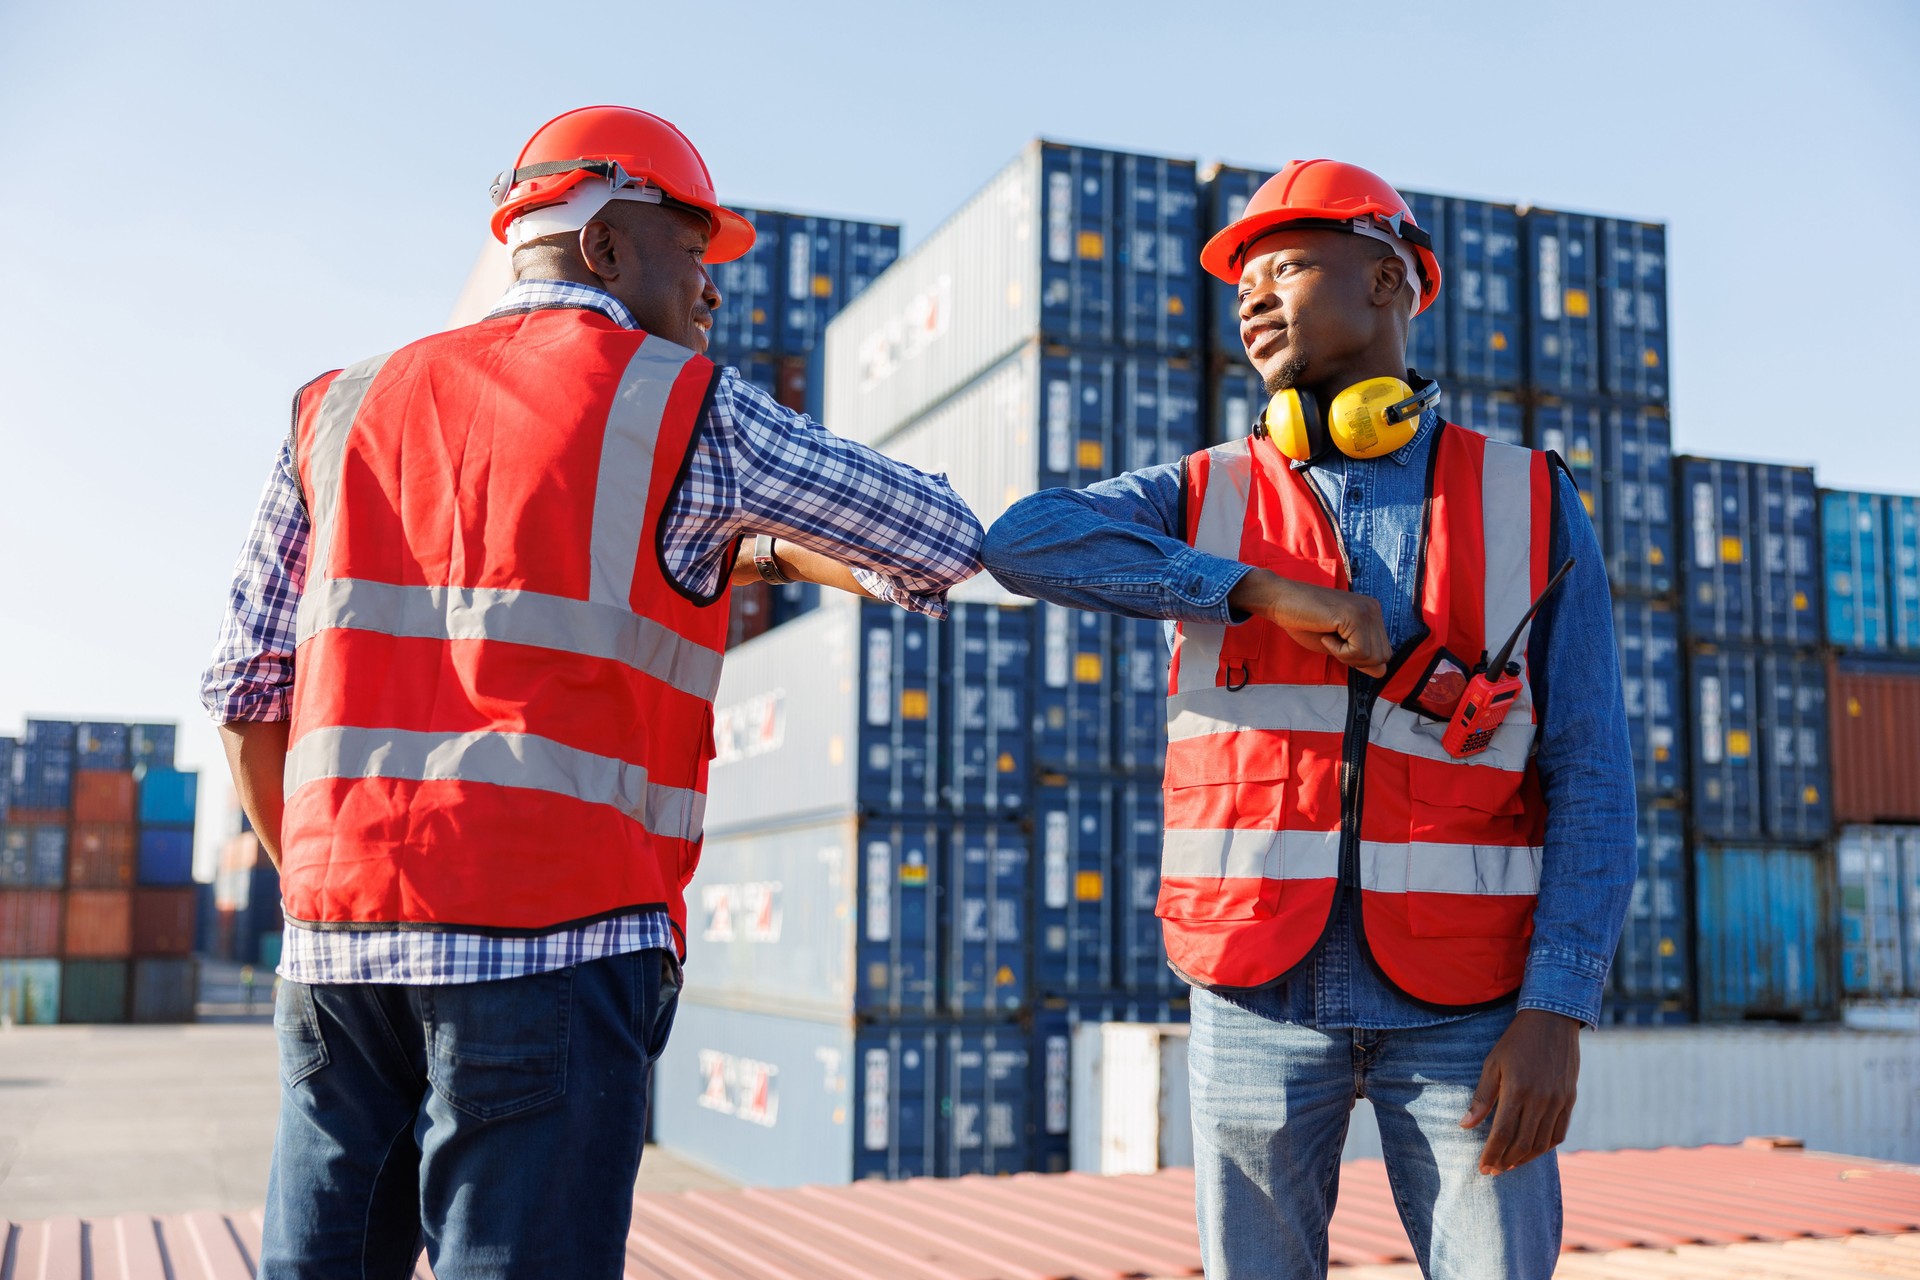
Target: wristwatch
763	561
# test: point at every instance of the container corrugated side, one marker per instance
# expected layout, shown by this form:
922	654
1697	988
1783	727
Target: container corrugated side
1637	499
1074	885
1427	332
100	746
986	905
1853	553
1140	661
778	1102
163	922
1752	566
1563	256
1053	1065
985	1101
151	745
824	263
1480	265
164	990
1787	544
1141	967
988	725
1494	413
29	992
43	766
1903	568
1874	714
1651	965
1225	190
1073	690
30	922
1795	782
99	923
1876	917
94	990
103	795
1576	430
748	319
100	855
1237	398
1633	308
1158	283
165	856
1765	933
1724	728
168	796
1648	639
8	748
33	856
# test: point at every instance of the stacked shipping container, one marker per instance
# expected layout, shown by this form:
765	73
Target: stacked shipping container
1550	331
97	903
775	303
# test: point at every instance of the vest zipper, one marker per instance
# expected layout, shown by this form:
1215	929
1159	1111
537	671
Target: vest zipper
1353	742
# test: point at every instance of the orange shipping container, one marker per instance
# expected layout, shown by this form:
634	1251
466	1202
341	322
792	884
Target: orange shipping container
103	795
30	922
101	855
163	922
99	923
1875	711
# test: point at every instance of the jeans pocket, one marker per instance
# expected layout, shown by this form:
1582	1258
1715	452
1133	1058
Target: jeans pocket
496	1049
296	1025
666	999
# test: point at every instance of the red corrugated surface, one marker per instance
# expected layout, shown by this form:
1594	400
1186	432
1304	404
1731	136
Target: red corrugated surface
30	922
100	855
1875	713
1074	1226
102	795
99	923
162	922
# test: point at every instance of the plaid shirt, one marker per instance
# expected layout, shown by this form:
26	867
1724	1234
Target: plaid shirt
756	467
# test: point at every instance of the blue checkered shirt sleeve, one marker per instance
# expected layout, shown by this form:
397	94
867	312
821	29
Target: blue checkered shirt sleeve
759	467
251	676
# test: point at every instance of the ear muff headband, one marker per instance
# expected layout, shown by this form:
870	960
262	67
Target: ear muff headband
1367	420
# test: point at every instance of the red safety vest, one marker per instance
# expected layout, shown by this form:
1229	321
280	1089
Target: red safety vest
502	704
1279	791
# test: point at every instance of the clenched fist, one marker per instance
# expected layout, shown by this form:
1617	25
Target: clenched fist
1344	624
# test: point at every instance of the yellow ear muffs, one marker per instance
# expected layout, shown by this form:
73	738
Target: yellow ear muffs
1293	422
1369	419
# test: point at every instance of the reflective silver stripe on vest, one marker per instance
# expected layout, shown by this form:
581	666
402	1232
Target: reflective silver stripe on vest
499	759
1506	513
613	633
1198	713
1250	855
1479	869
626	467
1398	729
1222	525
326	457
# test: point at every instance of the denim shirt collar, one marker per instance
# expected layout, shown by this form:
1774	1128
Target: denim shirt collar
1429	423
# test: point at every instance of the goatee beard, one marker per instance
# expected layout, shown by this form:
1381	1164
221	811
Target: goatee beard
1287	375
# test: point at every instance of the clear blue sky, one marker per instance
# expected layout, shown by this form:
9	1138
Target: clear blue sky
209	204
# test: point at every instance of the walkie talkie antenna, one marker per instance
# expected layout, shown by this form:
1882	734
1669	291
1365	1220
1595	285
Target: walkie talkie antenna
1499	662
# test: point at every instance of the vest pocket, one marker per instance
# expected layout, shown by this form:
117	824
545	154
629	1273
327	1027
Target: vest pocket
1227	796
1472	870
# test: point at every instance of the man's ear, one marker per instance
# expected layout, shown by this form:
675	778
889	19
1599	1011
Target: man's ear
599	250
1389	274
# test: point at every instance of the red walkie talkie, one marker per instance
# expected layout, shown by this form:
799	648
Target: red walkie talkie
1490	694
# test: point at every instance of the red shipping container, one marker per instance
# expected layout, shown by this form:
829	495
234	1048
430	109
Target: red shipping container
37	817
30	922
1875	712
163	922
99	923
790	383
102	855
103	795
749	612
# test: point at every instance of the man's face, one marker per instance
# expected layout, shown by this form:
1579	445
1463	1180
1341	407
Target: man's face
1304	304
670	294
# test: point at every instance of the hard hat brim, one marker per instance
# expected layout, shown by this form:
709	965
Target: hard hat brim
1219	256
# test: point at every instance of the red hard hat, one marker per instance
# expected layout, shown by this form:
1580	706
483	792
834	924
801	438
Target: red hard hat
623	147
1328	194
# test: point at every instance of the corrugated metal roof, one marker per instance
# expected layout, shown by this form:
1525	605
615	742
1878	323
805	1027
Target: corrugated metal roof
1661	1204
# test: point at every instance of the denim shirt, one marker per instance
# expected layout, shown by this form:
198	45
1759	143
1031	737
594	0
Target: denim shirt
1117	547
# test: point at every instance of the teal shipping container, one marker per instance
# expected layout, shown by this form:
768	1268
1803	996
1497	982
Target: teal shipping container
1765	928
29	992
168	796
94	990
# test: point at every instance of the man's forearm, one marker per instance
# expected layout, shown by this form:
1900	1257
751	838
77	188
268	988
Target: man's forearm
799	564
257	757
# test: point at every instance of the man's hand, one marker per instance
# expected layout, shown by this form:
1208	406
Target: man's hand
1344	624
1528	1084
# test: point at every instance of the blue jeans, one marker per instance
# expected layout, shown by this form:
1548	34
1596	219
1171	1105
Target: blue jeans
496	1124
1270	1107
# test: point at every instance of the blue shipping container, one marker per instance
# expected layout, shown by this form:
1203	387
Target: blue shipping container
1480	269
1633	308
1227	191
984	1101
750	286
1052	1063
1563	252
1636	499
151	745
1652	961
1751	566
165	856
1576	430
1497	415
1076	277
1427	334
986	911
1724	723
1072	690
1073	906
100	746
1874	910
1102	414
1649	643
1903	566
7	749
988	658
43	766
1795	781
779	1102
1139	943
1157	214
1159	413
167	796
1140	694
1238	398
1854	545
1764	928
